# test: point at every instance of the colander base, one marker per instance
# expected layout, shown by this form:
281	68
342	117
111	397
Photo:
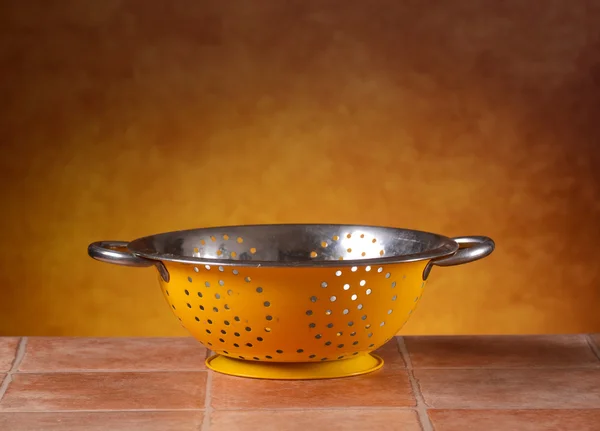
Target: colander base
362	364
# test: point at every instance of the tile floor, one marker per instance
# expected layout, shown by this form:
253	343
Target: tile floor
428	383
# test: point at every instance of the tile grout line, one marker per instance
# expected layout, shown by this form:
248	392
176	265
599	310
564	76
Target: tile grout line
19	354
292	409
353	408
206	420
426	424
595	349
152	410
4	385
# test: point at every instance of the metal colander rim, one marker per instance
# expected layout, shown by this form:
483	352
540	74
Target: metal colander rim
445	247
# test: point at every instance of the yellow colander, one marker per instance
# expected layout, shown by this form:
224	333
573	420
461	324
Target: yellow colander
300	301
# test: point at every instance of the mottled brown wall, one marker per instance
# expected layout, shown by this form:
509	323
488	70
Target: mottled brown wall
126	118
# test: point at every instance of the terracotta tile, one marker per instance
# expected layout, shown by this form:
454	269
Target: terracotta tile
501	351
387	387
105	391
102	421
522	420
8	351
375	390
315	420
122	354
596	341
510	388
391	355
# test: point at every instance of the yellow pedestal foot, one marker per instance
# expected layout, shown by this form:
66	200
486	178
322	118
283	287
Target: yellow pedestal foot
362	364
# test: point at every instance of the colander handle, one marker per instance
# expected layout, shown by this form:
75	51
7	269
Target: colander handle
106	251
472	248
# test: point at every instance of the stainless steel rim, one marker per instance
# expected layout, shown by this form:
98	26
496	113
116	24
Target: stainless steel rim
446	247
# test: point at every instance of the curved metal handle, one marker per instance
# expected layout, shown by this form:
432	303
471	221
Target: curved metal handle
472	248
106	251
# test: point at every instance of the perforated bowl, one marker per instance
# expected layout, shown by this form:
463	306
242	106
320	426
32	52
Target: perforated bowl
293	301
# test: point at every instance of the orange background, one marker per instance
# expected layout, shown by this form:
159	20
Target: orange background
126	118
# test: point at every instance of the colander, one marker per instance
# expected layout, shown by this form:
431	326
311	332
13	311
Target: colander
293	301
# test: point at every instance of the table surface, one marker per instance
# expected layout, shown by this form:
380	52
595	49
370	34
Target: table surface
428	383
